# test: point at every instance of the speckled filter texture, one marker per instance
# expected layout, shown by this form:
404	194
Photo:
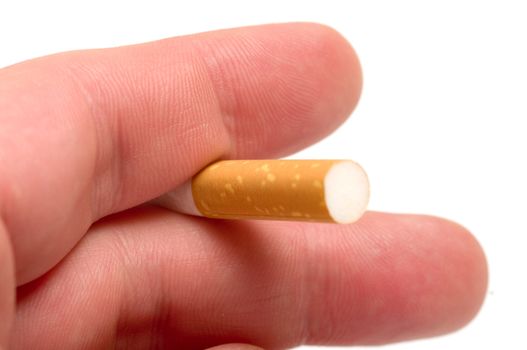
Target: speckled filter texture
263	189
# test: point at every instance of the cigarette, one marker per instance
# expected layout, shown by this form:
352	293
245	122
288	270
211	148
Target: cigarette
301	190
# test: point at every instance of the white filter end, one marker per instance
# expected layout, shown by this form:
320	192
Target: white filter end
180	200
347	192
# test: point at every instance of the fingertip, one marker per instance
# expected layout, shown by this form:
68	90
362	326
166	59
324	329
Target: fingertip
293	83
400	277
334	74
342	63
471	276
450	255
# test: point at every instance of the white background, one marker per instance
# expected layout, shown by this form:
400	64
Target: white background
440	127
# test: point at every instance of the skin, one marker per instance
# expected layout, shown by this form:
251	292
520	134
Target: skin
87	136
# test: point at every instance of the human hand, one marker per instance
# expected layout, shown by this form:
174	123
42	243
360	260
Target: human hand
87	136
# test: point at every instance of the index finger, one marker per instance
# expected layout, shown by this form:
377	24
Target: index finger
85	134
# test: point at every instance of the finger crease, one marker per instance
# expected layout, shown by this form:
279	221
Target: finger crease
222	88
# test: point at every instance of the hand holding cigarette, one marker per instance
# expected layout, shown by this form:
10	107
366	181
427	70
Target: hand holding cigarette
88	138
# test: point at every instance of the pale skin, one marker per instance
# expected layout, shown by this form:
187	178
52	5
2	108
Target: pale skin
87	136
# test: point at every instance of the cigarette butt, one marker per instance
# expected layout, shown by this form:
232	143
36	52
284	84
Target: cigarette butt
300	190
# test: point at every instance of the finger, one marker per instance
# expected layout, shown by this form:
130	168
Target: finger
236	347
153	276
7	287
90	133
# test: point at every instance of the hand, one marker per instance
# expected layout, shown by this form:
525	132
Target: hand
87	136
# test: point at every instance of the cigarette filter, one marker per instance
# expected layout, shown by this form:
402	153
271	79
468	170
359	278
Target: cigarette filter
307	190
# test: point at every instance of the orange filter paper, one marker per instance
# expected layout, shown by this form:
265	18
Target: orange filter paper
263	189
